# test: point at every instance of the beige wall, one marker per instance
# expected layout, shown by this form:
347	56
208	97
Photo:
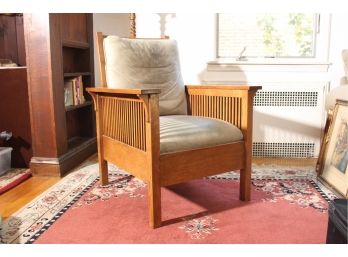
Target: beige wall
110	24
338	42
196	36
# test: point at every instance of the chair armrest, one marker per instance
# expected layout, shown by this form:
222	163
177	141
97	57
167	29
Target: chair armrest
219	89
129	116
125	91
230	103
233	87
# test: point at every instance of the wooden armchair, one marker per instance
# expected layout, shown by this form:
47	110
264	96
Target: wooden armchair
134	134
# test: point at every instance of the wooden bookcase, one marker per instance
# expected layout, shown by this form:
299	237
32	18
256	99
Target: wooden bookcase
14	101
59	47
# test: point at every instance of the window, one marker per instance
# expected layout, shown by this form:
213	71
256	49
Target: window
271	35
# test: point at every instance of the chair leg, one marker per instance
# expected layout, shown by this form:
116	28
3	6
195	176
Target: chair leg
245	183
103	172
154	203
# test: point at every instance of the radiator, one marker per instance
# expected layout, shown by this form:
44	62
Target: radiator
289	120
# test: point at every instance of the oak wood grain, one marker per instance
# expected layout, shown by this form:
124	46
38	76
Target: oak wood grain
127	158
13	200
101	62
194	164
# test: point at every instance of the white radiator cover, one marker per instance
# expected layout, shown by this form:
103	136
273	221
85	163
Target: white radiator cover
289	119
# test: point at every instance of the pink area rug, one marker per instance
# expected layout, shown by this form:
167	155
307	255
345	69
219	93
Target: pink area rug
13	178
203	211
79	210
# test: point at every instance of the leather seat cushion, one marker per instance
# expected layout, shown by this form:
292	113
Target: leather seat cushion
184	132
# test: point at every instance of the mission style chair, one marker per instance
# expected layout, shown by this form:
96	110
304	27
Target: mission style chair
161	131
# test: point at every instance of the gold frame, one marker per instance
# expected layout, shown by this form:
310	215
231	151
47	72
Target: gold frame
332	162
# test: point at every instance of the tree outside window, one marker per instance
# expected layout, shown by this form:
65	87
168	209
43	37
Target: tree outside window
267	35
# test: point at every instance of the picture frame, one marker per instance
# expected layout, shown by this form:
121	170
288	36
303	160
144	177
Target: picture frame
334	160
319	164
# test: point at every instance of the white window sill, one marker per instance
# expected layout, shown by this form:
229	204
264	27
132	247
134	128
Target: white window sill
267	65
12	68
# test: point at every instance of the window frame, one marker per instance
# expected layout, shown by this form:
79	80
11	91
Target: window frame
321	48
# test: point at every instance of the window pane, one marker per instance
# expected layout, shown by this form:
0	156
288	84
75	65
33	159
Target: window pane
267	35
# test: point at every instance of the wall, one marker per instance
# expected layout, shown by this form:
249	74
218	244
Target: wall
109	24
339	41
196	37
299	125
199	29
195	34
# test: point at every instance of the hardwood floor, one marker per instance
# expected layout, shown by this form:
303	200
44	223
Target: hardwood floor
285	162
14	199
22	194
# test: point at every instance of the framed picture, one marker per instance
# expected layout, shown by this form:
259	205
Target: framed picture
319	166
334	167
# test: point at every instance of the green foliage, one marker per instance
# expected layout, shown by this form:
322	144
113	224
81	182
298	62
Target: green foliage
303	31
275	43
271	37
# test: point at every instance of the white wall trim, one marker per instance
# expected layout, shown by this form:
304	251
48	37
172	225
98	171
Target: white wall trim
262	66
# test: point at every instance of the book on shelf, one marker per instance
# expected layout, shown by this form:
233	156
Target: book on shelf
68	93
73	91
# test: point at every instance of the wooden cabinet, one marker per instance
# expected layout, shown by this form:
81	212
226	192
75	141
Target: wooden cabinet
59	47
14	101
14	114
11	38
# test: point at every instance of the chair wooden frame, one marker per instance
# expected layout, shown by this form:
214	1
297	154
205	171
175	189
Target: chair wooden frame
128	135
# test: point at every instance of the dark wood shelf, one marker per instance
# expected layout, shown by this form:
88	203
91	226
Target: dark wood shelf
79	142
74	107
76	74
75	44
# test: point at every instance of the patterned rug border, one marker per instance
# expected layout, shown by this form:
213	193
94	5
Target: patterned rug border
32	239
315	183
321	192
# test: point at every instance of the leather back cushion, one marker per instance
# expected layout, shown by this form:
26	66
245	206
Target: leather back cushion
147	63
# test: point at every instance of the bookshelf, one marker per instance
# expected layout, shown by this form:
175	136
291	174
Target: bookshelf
60	56
14	101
